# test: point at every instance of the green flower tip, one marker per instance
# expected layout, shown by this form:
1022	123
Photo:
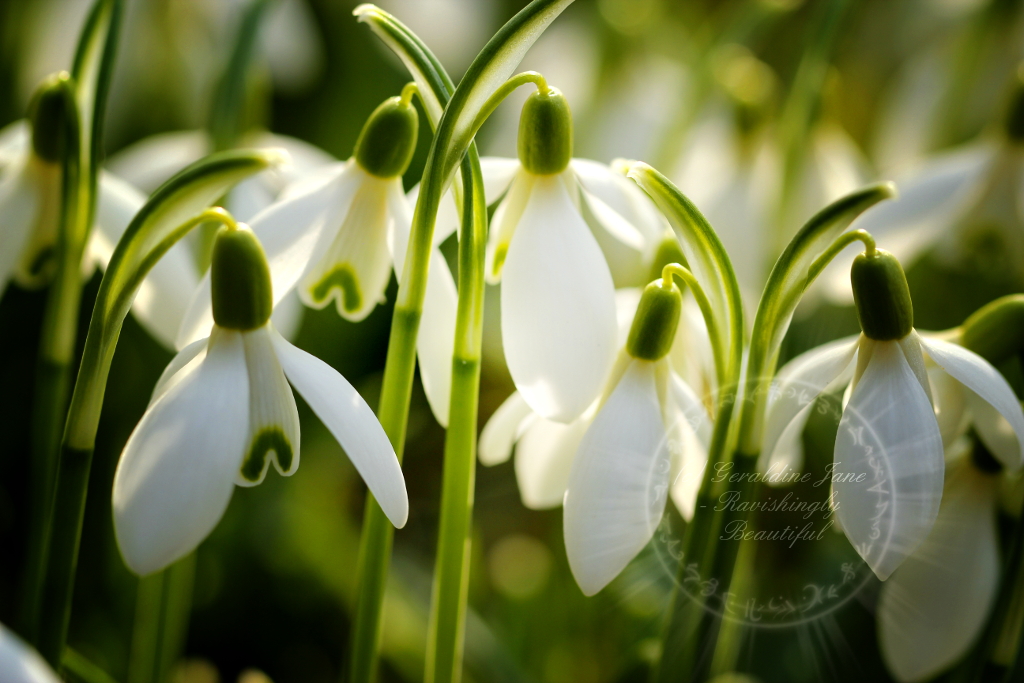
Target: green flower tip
52	111
1015	112
545	132
240	281
388	139
882	296
996	330
657	318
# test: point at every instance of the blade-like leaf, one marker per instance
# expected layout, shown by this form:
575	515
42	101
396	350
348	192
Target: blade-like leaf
161	222
707	260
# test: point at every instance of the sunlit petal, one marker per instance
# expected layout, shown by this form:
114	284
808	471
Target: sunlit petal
544	457
689	438
19	663
504	223
502	429
148	163
177	471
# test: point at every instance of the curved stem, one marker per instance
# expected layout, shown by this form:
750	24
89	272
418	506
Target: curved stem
408	90
717	346
506	89
843	241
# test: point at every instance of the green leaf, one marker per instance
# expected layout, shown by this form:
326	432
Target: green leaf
78	668
163	220
709	263
791	275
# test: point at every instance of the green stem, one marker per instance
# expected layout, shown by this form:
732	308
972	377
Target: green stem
162	609
718	347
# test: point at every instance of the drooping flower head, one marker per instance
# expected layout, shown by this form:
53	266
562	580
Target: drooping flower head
888	467
222	412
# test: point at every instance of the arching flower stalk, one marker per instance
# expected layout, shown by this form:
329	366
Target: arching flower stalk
222	411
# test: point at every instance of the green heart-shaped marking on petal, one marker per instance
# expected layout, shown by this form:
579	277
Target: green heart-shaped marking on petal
269	439
343	278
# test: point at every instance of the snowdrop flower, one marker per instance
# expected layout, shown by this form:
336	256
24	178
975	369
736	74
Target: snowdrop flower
622	470
557	293
222	411
934	606
19	663
544	449
888	468
334	235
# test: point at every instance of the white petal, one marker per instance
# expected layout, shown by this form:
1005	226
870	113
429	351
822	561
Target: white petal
251	196
178	468
619	481
544	458
147	164
498	173
624	247
183	363
19	205
273	418
352	422
19	663
888	462
985	382
503	224
934	606
287	315
950	399
622	196
303	157
502	430
352	264
557	307
791	398
690	436
15	139
447	221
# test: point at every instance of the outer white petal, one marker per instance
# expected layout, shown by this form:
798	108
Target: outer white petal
153	160
19	205
303	156
502	430
622	196
934	606
435	344
290	232
557	307
164	295
619	481
498	173
624	246
447	221
791	398
19	663
352	264
950	399
183	363
15	139
273	418
352	422
888	462
985	382
690	433
544	457
287	315
178	468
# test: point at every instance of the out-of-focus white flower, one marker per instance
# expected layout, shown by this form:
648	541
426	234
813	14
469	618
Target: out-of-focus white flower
19	663
934	606
222	410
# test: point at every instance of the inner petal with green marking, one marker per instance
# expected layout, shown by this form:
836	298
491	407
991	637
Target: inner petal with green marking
340	282
270	442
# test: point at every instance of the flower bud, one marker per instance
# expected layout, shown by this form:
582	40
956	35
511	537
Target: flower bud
52	111
996	330
388	139
882	296
657	318
545	133
240	281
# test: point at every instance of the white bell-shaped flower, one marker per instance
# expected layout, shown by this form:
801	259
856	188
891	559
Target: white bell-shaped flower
544	449
223	410
334	236
935	605
888	468
19	663
557	291
647	427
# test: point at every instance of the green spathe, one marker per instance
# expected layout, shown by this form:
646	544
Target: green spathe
657	318
996	330
880	291
545	133
240	281
388	139
52	109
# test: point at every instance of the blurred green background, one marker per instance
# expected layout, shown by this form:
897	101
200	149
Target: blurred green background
275	581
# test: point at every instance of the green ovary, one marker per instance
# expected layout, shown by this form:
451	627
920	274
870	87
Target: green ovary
343	278
269	439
